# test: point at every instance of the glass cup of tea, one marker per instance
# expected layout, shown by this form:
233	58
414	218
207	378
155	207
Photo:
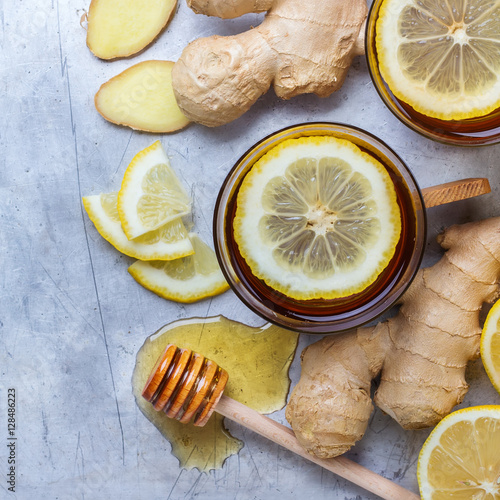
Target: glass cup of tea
476	131
321	315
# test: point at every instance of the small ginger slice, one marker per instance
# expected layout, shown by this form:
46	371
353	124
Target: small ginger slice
141	97
120	28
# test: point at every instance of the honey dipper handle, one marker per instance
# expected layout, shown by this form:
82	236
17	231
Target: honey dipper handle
455	191
285	437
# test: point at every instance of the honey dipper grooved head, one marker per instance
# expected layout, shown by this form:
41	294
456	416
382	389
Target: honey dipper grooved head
184	384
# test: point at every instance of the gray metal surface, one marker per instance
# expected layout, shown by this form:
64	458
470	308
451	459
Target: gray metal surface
72	318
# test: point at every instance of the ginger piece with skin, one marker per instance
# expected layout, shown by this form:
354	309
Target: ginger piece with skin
229	9
421	354
300	47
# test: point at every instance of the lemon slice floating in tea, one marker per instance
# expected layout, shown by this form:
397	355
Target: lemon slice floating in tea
168	242
317	218
490	345
151	194
188	279
442	58
460	459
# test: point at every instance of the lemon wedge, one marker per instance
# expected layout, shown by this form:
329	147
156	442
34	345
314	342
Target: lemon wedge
490	345
151	194
187	279
168	242
442	58
317	218
460	459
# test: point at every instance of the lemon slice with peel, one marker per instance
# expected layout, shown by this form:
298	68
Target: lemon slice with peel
168	242
490	345
188	279
317	217
460	459
442	58
151	194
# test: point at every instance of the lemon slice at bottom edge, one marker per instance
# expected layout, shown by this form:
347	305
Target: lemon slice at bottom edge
187	279
460	459
168	242
490	346
317	218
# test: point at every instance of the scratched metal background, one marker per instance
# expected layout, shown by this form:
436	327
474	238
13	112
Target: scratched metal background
71	317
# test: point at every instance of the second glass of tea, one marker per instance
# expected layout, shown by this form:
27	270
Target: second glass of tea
467	32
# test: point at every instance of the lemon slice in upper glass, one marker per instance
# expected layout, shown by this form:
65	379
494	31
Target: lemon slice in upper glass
461	459
441	57
170	241
151	194
490	345
317	217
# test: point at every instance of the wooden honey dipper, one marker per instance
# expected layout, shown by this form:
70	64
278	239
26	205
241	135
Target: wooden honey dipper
186	385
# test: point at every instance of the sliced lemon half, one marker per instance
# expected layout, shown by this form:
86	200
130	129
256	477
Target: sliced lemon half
441	57
151	194
490	346
184	280
168	242
317	218
460	459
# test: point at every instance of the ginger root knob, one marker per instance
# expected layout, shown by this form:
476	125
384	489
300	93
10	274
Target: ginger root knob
300	47
421	353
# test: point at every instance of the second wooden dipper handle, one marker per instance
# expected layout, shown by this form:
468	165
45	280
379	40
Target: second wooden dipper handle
285	437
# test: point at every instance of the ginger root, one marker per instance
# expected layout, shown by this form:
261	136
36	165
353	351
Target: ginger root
122	28
421	353
300	47
229	9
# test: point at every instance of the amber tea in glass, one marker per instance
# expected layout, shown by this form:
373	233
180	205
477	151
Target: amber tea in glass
482	130
323	315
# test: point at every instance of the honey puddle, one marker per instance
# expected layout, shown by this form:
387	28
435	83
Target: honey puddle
257	361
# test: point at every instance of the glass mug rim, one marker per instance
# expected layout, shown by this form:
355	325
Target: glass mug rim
320	316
